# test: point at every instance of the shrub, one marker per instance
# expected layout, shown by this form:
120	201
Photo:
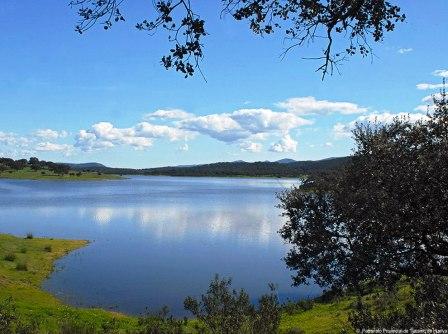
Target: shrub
22	266
7	315
48	248
291	307
23	250
10	257
160	323
224	310
427	308
29	236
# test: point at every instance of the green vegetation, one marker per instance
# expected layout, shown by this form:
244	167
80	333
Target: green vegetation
21	278
377	220
44	174
290	169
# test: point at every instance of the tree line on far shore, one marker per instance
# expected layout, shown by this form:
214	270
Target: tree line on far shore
33	163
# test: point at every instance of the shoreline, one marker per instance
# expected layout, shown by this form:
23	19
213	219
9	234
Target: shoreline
25	289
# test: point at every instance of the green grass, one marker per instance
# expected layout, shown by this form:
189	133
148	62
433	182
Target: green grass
44	174
325	318
24	287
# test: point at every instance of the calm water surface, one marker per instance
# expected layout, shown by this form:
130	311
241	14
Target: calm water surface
154	240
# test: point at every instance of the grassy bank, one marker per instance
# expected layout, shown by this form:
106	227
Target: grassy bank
26	262
45	174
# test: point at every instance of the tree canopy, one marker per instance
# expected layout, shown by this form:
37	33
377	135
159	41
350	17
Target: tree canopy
383	216
356	22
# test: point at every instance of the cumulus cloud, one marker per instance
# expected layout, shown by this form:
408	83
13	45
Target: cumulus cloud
285	144
106	135
50	134
405	50
425	108
248	146
265	120
427	86
430	98
388	117
244	124
441	73
218	126
309	105
341	130
53	147
168	114
7	138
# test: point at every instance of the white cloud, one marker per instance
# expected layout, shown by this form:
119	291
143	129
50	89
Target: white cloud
218	126
426	86
441	73
168	114
265	120
248	146
7	138
50	134
309	105
148	130
285	144
328	144
53	147
244	124
341	130
405	50
184	147
387	117
430	98
140	136
424	108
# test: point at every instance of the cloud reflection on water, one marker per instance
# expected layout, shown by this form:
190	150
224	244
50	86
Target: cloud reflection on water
254	224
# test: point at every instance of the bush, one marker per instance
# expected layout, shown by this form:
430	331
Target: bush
22	266
10	257
291	307
29	236
160	323
48	248
7	316
23	250
427	308
223	310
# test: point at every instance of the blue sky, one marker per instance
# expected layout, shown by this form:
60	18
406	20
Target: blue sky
103	96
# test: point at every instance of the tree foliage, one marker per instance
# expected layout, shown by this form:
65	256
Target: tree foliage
427	308
383	216
226	311
302	22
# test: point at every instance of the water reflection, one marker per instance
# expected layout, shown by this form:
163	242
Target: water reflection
155	240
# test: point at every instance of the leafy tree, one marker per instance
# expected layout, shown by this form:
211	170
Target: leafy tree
58	168
226	311
383	216
427	308
302	22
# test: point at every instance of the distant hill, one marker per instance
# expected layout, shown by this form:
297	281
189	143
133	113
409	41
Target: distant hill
279	168
286	161
282	168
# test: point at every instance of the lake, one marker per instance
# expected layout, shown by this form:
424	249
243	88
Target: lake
155	240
